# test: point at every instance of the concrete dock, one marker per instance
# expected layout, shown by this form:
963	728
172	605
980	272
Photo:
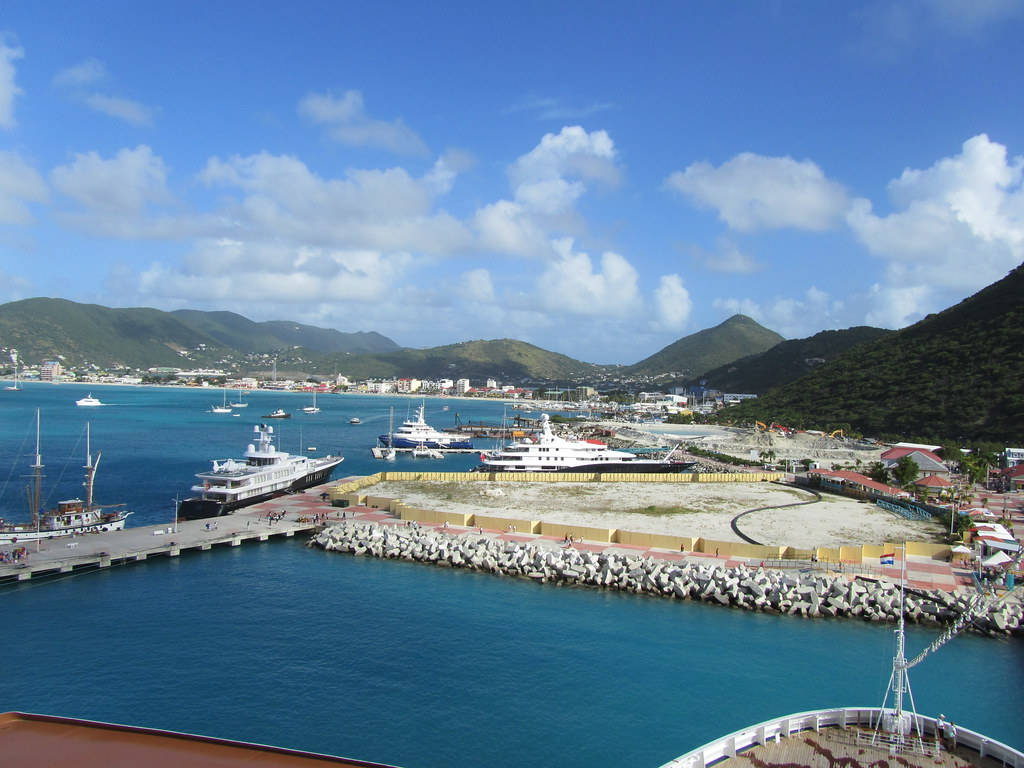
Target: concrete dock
299	513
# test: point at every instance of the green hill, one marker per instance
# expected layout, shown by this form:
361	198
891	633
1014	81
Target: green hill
693	355
245	335
786	361
90	334
504	359
957	375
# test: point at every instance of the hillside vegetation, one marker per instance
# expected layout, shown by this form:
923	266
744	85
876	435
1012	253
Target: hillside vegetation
786	361
51	329
693	355
957	375
505	359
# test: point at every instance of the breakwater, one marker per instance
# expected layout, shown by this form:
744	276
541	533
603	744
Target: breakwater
758	589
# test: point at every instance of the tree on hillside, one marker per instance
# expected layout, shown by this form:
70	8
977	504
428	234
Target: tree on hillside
905	472
878	472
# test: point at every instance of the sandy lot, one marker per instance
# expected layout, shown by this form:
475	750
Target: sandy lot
688	509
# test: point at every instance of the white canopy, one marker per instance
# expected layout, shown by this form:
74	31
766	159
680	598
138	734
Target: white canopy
961	549
997	559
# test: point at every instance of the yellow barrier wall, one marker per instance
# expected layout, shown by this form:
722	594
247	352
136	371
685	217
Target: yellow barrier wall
503	523
585	532
934	551
848	554
583	477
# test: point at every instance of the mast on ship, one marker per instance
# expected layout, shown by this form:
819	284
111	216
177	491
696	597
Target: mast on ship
37	476
90	469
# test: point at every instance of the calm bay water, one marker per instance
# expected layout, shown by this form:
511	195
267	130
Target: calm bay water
398	662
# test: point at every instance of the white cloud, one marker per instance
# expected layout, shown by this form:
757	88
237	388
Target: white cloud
20	183
8	88
223	269
572	152
347	122
84	73
476	285
570	285
507	227
123	109
385	210
546	183
122	185
753	192
441	178
959	225
727	257
896	306
74	81
672	303
547	108
792	317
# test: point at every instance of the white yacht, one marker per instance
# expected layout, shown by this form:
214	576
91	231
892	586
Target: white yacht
547	452
414	432
263	473
71	517
88	401
312	408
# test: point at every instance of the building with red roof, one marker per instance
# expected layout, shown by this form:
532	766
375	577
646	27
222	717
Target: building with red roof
928	463
843	480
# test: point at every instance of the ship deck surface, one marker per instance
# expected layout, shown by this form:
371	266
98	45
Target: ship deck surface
848	747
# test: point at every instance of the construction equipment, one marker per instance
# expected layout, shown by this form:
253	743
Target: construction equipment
835	432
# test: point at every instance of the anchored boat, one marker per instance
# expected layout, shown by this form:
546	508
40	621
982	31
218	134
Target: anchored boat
547	452
263	473
71	517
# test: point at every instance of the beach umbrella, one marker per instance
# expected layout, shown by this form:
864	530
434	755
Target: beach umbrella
960	549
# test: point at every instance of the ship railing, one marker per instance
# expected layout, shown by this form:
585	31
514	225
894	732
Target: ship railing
772	731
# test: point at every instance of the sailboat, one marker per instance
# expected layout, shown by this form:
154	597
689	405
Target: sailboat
312	408
70	517
224	407
14	359
239	403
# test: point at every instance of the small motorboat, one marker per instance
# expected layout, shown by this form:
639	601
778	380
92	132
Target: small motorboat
354	420
280	413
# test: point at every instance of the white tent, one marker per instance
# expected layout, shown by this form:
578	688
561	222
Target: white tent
997	559
960	549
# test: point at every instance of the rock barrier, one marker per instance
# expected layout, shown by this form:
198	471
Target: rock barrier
756	589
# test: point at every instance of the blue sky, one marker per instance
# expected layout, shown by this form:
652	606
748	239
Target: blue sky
598	179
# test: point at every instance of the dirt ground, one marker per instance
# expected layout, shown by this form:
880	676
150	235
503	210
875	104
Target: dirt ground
683	509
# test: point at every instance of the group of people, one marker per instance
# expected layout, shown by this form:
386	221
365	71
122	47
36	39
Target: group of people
16	555
946	731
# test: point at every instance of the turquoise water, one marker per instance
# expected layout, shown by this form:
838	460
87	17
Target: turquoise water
413	665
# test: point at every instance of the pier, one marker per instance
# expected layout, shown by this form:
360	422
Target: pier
282	517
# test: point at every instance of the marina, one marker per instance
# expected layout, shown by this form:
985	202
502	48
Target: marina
204	622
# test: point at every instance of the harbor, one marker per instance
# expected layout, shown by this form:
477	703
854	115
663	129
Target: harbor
283	517
364	635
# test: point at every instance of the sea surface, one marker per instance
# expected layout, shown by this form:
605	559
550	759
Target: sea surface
398	662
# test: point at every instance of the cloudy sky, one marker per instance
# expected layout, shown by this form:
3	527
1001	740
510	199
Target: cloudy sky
599	179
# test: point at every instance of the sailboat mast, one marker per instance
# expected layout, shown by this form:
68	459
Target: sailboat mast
37	474
90	469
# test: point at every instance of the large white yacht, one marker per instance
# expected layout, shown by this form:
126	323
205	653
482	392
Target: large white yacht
263	473
547	452
414	432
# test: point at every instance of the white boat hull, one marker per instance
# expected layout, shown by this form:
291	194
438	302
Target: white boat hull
19	534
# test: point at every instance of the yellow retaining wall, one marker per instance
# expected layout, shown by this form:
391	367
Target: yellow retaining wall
503	523
934	551
659	540
737	549
582	477
591	534
349	490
